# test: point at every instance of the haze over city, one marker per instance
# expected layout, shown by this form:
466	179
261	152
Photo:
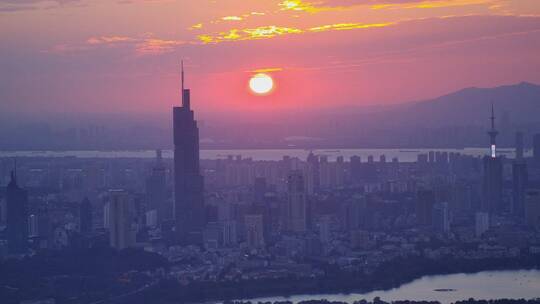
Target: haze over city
270	152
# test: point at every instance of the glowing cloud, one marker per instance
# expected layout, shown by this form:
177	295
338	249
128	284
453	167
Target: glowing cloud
156	46
232	18
109	40
262	32
298	5
348	26
196	26
266	70
430	4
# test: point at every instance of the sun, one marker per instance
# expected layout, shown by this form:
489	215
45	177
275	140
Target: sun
261	84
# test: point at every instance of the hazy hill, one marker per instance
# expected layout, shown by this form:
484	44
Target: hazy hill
517	104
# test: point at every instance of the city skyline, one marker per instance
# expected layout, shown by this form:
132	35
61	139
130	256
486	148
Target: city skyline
276	151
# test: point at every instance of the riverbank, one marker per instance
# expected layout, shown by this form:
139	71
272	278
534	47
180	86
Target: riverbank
389	275
379	301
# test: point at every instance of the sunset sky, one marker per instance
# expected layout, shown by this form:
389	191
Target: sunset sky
124	56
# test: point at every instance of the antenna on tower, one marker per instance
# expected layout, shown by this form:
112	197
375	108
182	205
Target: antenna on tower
182	67
185	92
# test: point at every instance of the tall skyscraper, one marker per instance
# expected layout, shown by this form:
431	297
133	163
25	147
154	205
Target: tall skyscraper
188	181
297	209
17	217
120	219
493	174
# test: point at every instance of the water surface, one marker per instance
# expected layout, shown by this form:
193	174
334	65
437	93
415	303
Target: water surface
482	285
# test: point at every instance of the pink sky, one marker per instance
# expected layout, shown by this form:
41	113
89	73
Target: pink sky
123	56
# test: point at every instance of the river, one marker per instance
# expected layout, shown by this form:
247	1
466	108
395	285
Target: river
403	155
445	288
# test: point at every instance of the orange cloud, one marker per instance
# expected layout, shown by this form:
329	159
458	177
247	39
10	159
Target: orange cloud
348	26
261	32
430	4
109	40
142	46
232	18
298	5
265	32
157	46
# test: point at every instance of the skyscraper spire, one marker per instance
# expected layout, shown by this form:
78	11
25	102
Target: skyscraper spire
182	67
185	92
493	133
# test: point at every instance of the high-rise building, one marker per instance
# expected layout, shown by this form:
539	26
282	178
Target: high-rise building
259	189
188	181
493	175
156	191
213	235
356	168
424	205
120	213
85	216
520	179
297	208
481	223
441	217
519	145
532	208
313	173
17	217
325	232
353	213
229	233
536	147
254	230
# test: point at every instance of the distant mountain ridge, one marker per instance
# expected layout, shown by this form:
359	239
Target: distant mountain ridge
519	103
458	119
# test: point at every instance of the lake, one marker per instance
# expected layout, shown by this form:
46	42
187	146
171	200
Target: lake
445	288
